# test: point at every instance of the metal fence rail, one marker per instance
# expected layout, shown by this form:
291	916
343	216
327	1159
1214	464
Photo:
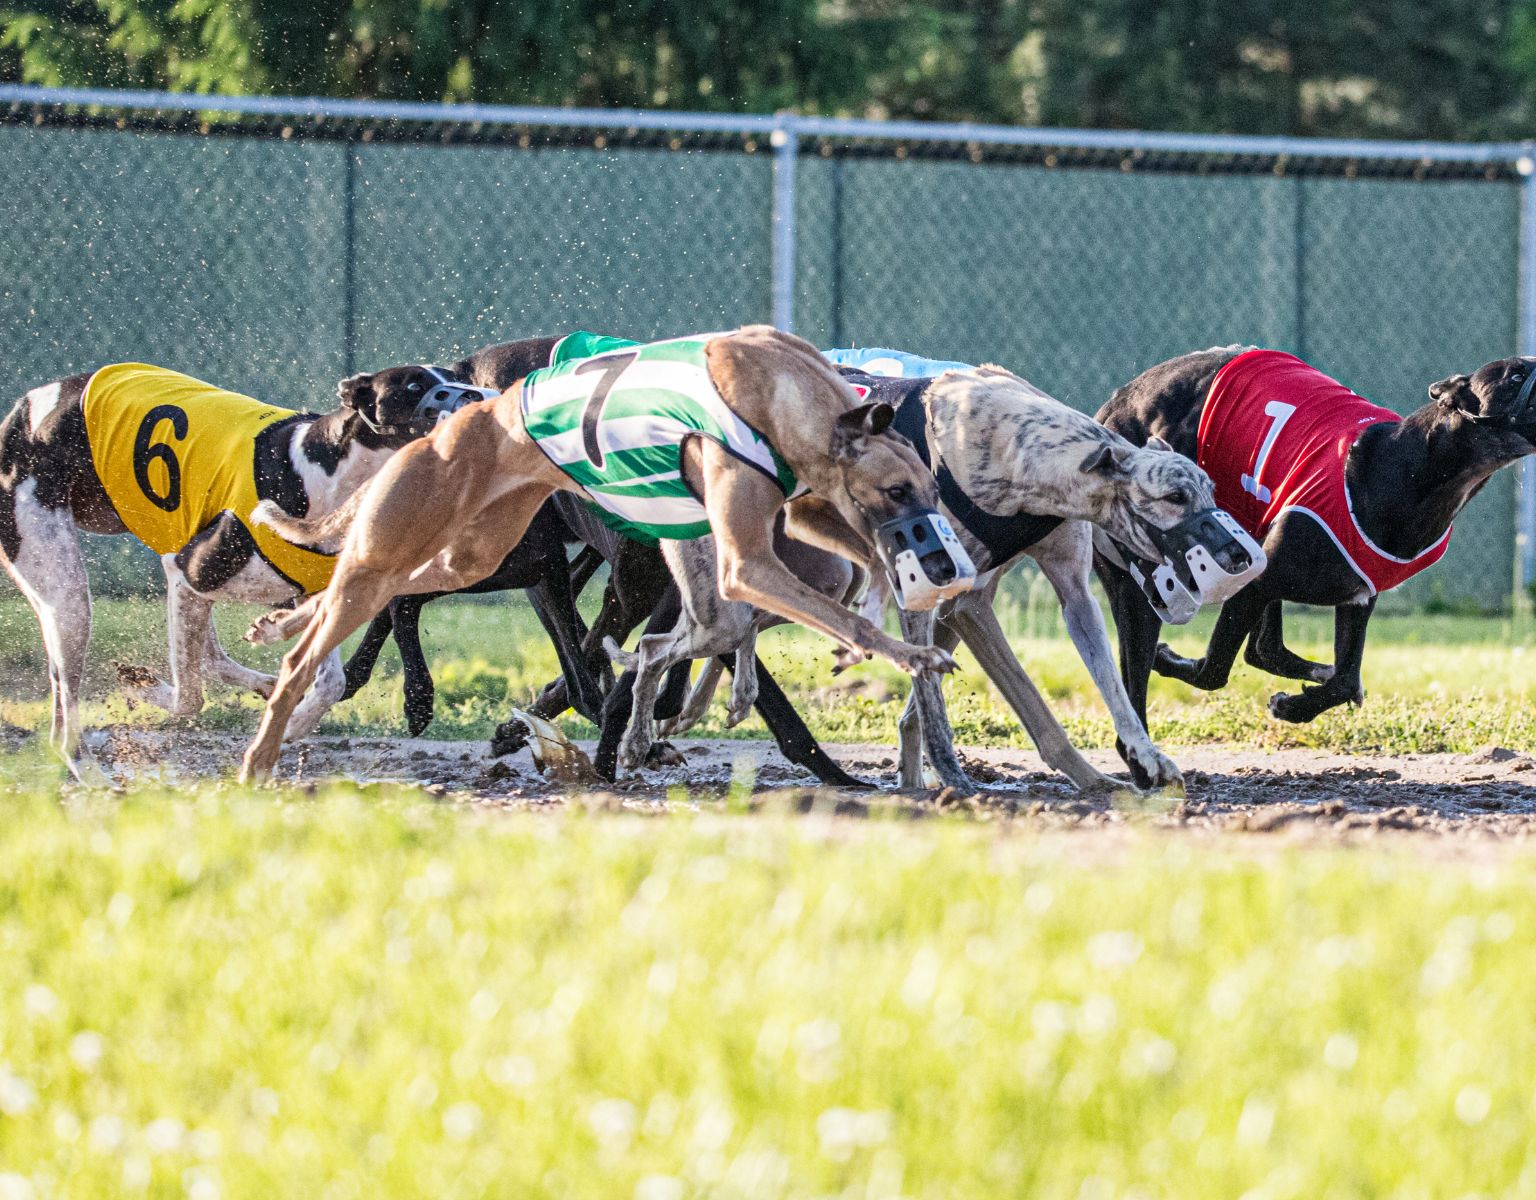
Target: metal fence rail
274	244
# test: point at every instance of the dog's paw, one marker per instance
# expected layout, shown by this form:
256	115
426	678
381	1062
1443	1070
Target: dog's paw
1152	769
923	660
846	656
267	630
625	660
664	754
1175	666
131	676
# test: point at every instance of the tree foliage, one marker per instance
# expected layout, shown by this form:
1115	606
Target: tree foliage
1402	68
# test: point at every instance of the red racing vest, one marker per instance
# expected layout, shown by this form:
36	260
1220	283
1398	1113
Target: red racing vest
1274	436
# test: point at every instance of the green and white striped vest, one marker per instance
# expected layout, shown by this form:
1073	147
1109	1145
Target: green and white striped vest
613	415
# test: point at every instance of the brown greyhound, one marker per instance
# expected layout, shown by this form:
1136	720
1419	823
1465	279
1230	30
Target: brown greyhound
445	511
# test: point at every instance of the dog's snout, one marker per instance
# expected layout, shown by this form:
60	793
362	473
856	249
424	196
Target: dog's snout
938	566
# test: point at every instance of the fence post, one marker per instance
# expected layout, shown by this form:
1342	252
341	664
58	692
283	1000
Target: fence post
1525	485
785	140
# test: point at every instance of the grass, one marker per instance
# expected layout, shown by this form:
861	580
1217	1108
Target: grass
1434	683
361	995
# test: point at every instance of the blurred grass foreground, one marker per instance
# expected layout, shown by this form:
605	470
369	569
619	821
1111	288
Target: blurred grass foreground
361	995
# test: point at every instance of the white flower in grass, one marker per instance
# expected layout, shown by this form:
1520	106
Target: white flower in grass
844	1130
86	1048
659	1187
613	1121
39	1001
164	1134
1473	1104
17	1096
461	1121
15	1187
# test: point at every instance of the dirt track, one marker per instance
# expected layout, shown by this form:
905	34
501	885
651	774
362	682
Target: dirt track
1297	792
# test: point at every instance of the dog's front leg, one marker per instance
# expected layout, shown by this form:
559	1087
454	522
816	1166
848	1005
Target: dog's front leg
1268	652
1239	616
742	505
977	624
816	522
922	722
1349	625
1066	558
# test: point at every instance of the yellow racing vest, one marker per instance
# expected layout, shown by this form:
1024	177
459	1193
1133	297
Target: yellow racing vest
174	452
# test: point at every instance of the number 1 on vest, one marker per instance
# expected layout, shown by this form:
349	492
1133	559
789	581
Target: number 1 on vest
1280	413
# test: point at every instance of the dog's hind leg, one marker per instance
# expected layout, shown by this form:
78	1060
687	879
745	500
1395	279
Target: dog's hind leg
189	618
977	624
221	668
330	682
416	676
910	726
360	666
1267	650
49	568
699	696
794	738
1349	625
1066	559
555	607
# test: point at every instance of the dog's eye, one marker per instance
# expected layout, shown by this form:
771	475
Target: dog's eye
901	493
1177	496
413	388
1517	377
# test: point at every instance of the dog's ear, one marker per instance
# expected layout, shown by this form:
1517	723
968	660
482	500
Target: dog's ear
852	429
356	391
1455	392
1106	459
1156	443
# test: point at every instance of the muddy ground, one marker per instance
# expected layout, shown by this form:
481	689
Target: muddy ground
1302	793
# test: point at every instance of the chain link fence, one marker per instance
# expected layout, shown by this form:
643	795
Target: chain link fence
275	249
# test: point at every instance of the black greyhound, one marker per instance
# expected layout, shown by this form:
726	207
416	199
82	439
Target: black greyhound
1405	481
640	588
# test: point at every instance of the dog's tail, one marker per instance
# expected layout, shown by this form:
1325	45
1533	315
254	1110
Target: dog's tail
324	534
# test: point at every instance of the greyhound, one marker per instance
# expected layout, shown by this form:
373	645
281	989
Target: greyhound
640	586
1347	499
1021	474
447	509
131	448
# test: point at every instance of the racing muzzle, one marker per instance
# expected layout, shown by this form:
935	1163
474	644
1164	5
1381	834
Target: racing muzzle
442	400
925	561
446	399
1206	559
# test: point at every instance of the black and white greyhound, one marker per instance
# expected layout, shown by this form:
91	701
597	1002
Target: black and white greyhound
1405	482
51	488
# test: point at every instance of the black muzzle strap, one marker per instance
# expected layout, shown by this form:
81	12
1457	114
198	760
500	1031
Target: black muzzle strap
1519	412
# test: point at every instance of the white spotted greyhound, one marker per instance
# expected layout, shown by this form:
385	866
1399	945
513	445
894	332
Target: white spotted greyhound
178	463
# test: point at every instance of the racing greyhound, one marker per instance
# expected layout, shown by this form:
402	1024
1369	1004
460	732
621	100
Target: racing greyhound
1347	499
487	470
1021	474
132	448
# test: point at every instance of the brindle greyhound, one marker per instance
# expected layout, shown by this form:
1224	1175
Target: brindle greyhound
1405	481
446	510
